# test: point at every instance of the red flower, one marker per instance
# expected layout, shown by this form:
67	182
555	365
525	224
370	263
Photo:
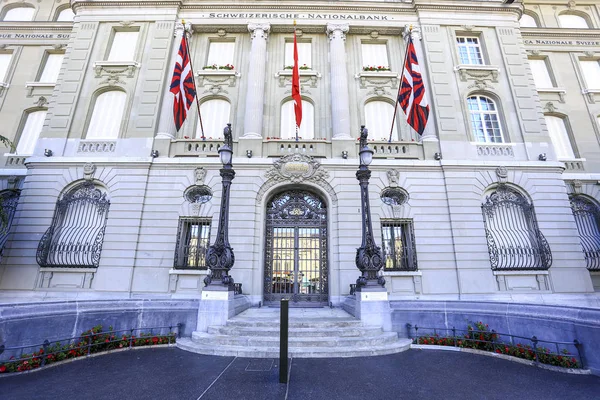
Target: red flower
498	351
107	341
155	340
2	369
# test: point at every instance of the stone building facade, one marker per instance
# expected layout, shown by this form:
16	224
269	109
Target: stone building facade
111	201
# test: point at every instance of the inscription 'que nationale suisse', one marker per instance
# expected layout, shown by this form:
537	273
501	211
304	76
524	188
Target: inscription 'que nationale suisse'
558	42
34	36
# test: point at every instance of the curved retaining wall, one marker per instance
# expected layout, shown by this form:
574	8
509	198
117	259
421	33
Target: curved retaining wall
546	322
32	323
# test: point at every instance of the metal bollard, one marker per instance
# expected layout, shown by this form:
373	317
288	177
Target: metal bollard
283	341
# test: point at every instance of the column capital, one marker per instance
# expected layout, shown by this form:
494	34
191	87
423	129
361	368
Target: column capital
414	31
259	29
337	30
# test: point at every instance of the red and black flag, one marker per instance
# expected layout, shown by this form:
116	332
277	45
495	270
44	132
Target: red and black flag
182	85
411	95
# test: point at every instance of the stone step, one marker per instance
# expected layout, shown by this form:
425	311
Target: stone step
271	331
295	352
304	342
299	323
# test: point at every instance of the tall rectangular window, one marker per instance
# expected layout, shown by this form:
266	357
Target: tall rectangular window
398	245
374	55
541	74
560	137
5	59
469	50
123	46
304	54
52	68
591	73
31	132
193	238
220	53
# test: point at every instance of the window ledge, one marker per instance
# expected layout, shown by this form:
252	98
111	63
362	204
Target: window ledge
552	90
174	271
116	67
3	86
476	71
302	72
527	272
218	72
402	273
40	84
377	74
588	91
492	144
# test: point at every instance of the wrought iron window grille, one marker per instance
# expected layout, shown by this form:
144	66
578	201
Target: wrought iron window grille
75	237
193	239
587	218
513	237
9	200
398	245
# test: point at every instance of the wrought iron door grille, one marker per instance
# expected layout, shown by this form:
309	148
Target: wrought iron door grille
398	245
9	199
75	237
193	238
587	218
513	237
296	249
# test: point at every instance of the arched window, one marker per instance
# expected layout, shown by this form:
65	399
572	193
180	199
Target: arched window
572	21
9	200
19	14
65	15
527	21
107	116
560	137
378	119
75	237
485	121
288	121
513	238
587	218
215	116
34	122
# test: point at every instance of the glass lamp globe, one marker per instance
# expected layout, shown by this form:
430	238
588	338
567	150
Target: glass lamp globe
225	153
366	156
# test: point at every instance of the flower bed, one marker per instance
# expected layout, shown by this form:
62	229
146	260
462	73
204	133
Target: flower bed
376	68
94	340
227	67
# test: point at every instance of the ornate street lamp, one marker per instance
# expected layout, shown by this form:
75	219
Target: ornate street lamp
369	258
219	256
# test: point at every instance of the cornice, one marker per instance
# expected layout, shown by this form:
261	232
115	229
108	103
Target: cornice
36	26
560	33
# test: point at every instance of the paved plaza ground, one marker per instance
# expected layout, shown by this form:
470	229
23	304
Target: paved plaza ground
170	373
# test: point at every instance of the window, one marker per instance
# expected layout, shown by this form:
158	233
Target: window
32	128
304	54
65	15
52	68
107	116
527	21
378	119
123	46
374	55
559	137
513	238
75	237
5	59
572	21
193	238
220	53
215	116
587	218
469	50
484	120
288	121
19	14
398	245
591	73
8	199
541	74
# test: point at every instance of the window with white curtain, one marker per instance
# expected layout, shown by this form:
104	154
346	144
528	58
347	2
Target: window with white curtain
65	15
220	53
304	54
288	121
123	46
591	73
541	74
560	137
52	68
374	55
469	50
572	21
107	115
19	14
5	59
215	116
31	132
485	121
378	119
527	21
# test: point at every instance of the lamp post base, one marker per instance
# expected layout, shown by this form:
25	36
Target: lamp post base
372	307
217	305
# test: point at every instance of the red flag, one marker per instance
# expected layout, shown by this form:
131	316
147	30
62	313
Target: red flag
182	84
296	86
411	95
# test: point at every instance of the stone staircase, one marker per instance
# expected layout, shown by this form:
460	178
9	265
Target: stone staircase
312	333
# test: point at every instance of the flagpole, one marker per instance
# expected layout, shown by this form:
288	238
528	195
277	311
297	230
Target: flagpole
399	87
295	66
187	47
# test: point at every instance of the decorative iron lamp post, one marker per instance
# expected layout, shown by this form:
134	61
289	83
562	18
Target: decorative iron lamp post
219	256
369	258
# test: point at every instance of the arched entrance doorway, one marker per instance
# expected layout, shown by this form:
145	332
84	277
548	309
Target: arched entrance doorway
296	249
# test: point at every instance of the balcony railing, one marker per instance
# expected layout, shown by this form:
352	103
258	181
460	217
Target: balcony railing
279	148
396	150
195	147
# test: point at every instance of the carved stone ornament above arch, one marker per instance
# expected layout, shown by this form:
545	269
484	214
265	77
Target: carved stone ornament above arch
297	168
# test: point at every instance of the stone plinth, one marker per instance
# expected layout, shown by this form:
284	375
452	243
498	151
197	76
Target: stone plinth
217	306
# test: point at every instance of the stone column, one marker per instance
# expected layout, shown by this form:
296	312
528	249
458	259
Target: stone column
166	125
340	102
255	96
